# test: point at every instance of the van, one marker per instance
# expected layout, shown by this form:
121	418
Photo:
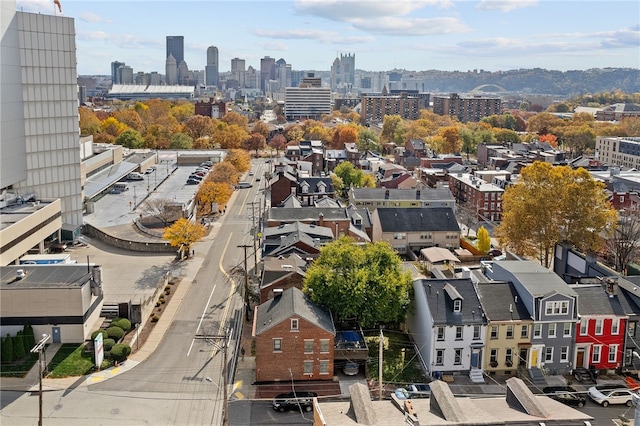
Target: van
135	176
119	188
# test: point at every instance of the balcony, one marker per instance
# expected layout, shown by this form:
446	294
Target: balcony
350	345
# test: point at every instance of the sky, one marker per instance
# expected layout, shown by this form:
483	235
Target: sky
415	35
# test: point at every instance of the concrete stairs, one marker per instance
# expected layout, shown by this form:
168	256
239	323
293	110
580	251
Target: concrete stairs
537	378
476	375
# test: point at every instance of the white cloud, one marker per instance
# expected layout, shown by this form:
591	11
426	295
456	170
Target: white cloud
412	27
317	35
274	46
505	5
92	18
345	11
37	6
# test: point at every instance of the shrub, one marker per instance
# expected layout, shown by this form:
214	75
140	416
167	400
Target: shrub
167	288
18	346
95	333
155	318
7	349
108	344
29	337
120	351
115	333
123	323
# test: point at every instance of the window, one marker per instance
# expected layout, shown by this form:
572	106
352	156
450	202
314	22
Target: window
524	331
537	331
308	367
493	356
548	354
509	332
439	356
557	307
494	331
458	332
399	235
308	346
277	345
599	326
324	346
631	328
613	351
615	325
324	367
476	332
567	330
584	327
508	357
458	357
564	354
440	333
295	324
457	305
552	329
595	355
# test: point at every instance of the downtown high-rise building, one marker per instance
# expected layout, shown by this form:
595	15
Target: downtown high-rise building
115	66
343	72
267	71
212	68
175	48
238	71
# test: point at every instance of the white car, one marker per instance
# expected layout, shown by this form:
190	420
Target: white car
605	396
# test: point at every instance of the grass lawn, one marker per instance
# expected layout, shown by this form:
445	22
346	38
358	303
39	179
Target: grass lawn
70	361
19	368
400	363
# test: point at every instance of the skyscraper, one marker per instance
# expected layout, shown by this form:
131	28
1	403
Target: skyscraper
39	136
267	71
343	72
211	69
171	70
175	47
115	77
238	72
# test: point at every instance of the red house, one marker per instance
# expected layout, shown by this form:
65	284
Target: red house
600	334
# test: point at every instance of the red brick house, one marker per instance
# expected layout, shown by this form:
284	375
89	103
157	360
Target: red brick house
294	339
281	273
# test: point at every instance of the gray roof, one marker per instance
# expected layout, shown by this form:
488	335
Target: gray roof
274	268
292	303
297	227
499	301
46	276
289	214
629	295
441	306
424	194
593	300
417	219
538	280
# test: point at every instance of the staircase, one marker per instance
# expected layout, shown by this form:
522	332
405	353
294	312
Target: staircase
109	312
537	378
476	375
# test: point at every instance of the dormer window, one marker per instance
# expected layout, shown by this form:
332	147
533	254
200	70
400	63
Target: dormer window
457	305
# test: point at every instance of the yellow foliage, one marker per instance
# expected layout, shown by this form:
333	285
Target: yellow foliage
240	159
183	233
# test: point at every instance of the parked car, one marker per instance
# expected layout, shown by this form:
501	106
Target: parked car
351	368
241	185
495	252
605	397
135	176
193	182
565	394
201	174
251	173
294	400
150	170
402	394
419	390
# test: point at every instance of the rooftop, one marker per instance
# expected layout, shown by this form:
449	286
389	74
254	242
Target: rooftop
46	276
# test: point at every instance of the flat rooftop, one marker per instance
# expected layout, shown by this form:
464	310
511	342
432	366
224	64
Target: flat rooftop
16	212
45	276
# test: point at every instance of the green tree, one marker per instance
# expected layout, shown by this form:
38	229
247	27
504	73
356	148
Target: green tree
130	139
18	346
390	126
180	141
484	240
365	283
182	234
552	204
349	175
7	349
29	337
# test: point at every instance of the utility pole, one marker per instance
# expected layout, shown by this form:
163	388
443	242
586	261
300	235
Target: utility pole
225	344
38	348
380	352
255	236
246	281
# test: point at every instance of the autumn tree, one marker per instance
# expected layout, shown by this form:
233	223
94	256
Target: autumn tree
553	204
113	127
229	136
130	117
182	234
484	240
157	137
392	126
224	172
262	128
233	117
349	175
278	142
366	283
89	123
130	139
294	133
182	111
542	123
451	139
180	141
214	192
240	160
198	126
550	139
344	134
622	243
255	141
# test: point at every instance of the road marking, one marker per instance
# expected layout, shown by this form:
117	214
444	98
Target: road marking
202	317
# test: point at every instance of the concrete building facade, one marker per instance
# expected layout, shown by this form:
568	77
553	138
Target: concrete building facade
472	108
615	151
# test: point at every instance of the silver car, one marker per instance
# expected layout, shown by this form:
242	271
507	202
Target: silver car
605	397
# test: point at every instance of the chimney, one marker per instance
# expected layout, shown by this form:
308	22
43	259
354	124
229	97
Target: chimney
611	286
321	219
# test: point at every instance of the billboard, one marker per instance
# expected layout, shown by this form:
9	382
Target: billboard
98	348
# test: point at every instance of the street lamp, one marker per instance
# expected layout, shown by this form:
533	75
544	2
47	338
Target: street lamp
137	336
38	348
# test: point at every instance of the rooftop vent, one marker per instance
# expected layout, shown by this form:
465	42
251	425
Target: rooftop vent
20	274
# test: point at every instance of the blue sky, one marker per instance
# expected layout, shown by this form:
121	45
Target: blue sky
492	35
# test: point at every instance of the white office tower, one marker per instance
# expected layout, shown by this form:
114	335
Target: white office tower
39	133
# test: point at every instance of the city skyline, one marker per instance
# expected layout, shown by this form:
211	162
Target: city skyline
493	35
